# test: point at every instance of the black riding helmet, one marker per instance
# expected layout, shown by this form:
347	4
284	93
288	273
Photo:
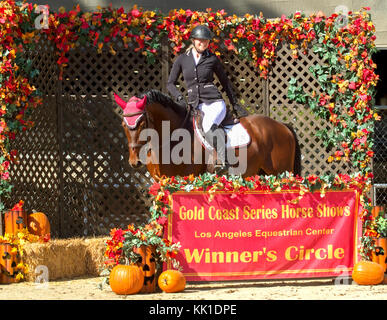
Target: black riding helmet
202	32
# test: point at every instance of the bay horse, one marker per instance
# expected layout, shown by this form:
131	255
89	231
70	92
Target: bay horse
273	146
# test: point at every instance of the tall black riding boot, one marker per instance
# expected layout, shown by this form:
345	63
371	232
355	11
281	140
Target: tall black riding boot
217	138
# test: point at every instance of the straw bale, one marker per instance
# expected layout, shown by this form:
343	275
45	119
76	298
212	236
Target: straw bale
65	258
95	249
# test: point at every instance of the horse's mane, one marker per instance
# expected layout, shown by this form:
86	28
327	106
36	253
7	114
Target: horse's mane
156	96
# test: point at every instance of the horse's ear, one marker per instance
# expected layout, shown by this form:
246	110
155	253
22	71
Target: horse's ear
119	101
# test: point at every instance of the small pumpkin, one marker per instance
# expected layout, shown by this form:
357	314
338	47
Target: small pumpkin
9	259
367	273
380	253
171	281
38	224
126	279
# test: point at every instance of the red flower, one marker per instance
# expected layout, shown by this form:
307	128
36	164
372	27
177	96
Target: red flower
251	37
352	85
162	220
135	13
154	189
171	254
229	44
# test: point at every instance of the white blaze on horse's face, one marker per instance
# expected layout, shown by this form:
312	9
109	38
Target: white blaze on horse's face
134	143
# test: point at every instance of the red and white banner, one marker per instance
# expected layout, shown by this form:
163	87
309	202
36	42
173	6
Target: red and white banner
259	235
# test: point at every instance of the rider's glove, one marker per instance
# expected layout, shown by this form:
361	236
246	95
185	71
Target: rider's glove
240	111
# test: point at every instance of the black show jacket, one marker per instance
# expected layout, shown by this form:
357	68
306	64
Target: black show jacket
199	78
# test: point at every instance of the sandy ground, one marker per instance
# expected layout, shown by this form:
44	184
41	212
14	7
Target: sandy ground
88	289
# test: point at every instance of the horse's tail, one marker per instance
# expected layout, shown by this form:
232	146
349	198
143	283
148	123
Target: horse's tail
297	156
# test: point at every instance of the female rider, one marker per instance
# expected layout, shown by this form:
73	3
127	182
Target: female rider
198	66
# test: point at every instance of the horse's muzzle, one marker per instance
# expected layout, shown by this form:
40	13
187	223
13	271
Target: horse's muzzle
135	165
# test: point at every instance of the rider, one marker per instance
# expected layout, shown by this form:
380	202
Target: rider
198	66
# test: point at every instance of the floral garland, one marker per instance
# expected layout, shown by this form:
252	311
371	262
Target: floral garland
348	82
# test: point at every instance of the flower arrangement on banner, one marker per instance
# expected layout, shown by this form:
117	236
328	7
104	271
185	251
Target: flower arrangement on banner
347	78
119	248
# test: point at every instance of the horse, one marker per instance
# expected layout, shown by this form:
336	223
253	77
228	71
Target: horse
273	147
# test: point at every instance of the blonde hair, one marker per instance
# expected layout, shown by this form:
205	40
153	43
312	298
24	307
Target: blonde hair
189	47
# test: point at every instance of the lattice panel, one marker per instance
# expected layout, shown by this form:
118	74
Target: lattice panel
36	177
101	190
380	159
44	59
305	123
127	72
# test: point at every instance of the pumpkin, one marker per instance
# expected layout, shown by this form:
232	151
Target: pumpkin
9	259
15	219
126	279
38	224
171	281
148	265
380	253
367	273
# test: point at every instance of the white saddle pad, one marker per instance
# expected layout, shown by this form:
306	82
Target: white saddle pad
237	136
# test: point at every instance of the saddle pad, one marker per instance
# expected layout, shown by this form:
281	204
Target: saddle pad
237	136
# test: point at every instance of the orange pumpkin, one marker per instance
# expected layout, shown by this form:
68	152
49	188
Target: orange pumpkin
171	281
38	224
148	265
367	273
126	279
15	219
8	262
380	253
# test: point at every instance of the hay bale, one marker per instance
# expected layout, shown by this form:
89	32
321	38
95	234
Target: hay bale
65	258
94	259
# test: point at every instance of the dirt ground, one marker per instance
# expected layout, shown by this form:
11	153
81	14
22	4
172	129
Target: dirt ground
89	289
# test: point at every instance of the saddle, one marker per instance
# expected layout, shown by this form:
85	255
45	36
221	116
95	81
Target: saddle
236	134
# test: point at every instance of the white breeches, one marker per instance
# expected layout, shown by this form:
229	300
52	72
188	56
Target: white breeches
213	113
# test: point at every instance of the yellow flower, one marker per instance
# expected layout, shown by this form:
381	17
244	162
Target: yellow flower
19	277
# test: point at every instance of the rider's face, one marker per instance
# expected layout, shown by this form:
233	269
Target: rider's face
201	44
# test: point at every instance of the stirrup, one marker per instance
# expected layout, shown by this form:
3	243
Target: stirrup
221	169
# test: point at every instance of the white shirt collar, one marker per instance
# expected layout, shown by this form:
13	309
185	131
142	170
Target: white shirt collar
195	55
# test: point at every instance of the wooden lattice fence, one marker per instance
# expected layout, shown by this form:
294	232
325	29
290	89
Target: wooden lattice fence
74	162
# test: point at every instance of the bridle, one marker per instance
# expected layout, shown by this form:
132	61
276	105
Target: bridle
132	114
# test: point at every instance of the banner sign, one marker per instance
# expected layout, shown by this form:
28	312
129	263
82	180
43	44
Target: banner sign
260	235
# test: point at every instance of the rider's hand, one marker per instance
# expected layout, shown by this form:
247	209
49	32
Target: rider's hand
240	111
181	102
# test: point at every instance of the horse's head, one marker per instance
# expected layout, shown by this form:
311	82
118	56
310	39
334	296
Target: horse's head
134	121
